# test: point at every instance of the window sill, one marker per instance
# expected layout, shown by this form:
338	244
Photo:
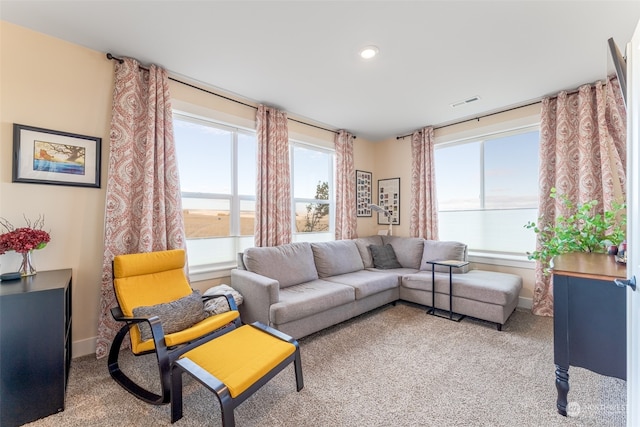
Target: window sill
208	272
505	260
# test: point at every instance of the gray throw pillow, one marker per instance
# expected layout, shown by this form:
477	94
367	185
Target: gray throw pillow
175	315
384	257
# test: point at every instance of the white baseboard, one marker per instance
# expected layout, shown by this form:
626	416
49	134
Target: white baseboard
84	347
526	303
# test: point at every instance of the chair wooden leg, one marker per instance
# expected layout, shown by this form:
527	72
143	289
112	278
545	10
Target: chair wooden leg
124	381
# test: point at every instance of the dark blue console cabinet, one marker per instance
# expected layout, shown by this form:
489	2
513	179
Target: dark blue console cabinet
590	318
35	346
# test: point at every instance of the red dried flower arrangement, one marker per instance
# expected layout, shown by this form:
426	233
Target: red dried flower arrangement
23	239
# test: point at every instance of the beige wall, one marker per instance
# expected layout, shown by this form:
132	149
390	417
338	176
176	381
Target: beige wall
364	158
49	83
393	160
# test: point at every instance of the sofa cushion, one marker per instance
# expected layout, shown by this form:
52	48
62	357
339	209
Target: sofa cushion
336	257
397	271
363	244
409	250
478	285
435	250
289	264
488	286
367	282
384	257
306	299
422	281
174	316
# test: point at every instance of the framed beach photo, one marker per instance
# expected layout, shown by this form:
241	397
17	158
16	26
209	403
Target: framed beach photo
44	156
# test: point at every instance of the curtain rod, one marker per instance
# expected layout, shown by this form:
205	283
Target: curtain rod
570	92
476	118
120	60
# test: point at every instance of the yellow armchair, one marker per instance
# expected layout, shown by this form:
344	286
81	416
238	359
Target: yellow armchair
155	285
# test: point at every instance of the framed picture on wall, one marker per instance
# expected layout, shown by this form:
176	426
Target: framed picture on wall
44	156
389	200
363	193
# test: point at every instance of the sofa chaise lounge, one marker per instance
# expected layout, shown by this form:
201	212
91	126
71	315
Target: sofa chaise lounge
301	288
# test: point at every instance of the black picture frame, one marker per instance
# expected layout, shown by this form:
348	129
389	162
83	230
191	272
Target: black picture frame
45	156
363	193
389	200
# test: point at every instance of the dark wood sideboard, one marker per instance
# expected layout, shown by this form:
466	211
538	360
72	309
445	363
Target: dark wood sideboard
590	318
35	346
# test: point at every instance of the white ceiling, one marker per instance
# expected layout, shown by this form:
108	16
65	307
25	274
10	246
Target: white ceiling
301	56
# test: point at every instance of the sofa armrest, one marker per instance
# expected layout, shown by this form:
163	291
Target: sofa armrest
259	293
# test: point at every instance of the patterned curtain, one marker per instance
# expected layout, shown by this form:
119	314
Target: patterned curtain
423	219
143	202
273	189
582	155
346	220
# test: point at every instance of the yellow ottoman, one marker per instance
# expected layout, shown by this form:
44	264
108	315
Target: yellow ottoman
235	365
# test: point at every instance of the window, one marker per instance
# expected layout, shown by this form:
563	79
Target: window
312	193
488	190
217	180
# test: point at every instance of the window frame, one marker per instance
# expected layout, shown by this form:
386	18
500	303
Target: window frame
319	235
221	269
506	129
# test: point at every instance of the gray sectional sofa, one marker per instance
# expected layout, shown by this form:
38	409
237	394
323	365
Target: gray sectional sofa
301	288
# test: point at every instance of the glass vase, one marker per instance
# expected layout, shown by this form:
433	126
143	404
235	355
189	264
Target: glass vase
26	266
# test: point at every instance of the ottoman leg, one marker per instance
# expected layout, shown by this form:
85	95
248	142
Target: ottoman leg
176	393
297	364
226	407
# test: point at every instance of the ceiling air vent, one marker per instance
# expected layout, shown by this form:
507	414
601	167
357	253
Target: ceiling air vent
466	101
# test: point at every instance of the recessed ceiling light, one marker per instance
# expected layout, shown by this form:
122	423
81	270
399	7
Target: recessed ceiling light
368	52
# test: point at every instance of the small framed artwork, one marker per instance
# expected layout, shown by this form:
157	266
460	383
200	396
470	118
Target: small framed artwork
44	156
363	193
389	200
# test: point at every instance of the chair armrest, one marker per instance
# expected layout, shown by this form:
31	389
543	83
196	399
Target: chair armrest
258	293
157	332
118	315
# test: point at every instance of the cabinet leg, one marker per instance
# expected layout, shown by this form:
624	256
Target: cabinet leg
562	385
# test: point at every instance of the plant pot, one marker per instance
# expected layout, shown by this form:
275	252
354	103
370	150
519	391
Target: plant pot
26	265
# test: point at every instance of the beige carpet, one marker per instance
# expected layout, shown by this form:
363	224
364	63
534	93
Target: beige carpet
395	366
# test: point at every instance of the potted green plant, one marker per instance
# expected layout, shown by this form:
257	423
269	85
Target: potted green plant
584	230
